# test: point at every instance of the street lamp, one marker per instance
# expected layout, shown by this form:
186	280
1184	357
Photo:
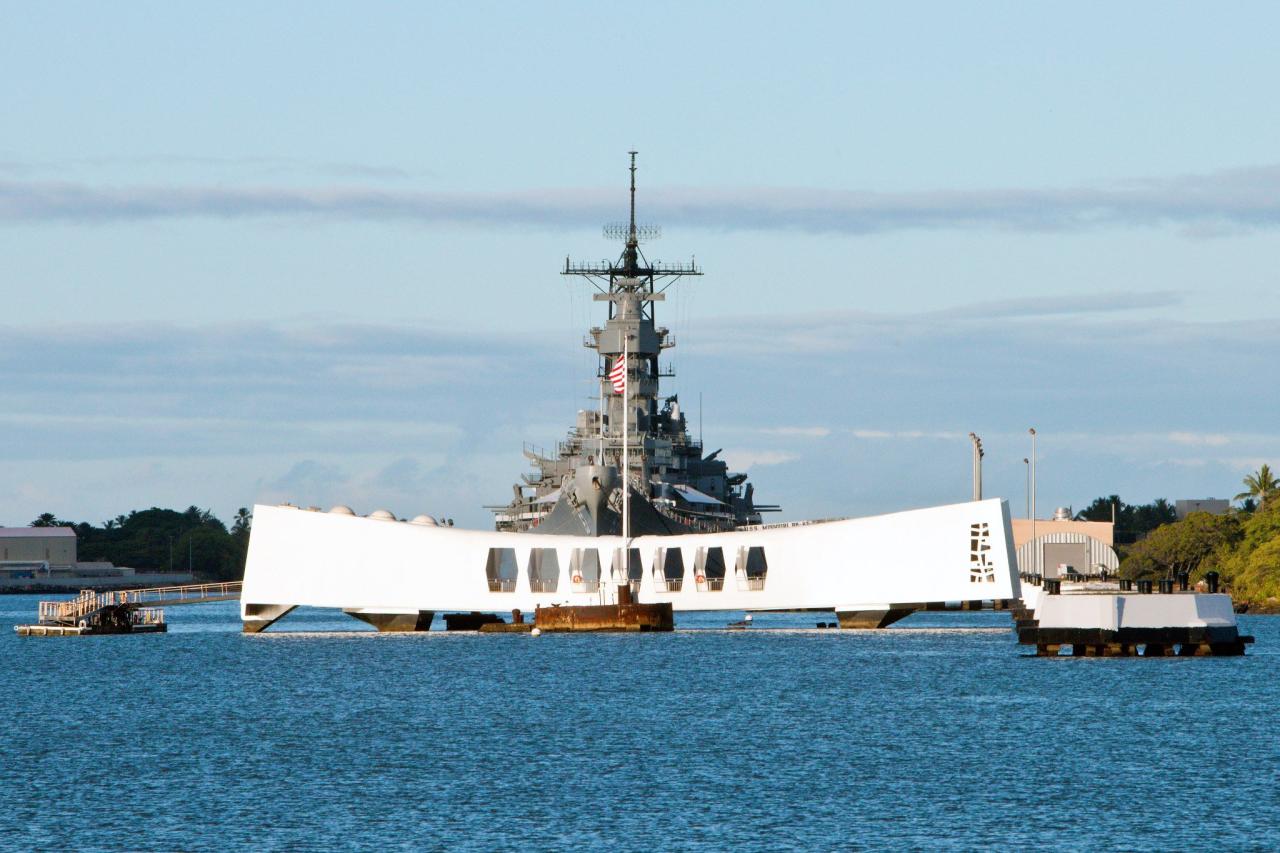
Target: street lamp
1026	463
977	466
1034	550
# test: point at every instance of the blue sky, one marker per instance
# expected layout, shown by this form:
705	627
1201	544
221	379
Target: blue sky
254	253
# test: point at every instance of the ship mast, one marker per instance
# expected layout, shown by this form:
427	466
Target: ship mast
633	249
630	285
626	445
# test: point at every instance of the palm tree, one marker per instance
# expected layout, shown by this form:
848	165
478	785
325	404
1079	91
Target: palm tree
1261	485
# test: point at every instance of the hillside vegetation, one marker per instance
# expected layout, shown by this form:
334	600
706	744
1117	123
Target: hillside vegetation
1243	546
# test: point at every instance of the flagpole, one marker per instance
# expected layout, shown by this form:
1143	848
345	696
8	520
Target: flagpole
626	456
602	422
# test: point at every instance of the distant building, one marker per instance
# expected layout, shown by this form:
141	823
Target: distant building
1213	506
1062	545
44	559
1103	531
53	545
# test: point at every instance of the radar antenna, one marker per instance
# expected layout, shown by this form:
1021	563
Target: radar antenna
632	238
632	271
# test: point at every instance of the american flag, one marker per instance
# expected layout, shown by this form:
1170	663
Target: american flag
618	376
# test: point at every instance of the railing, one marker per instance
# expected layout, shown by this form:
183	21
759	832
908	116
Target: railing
542	586
723	522
616	580
89	602
69	611
780	524
751	584
502	585
669	584
711	585
186	594
148	616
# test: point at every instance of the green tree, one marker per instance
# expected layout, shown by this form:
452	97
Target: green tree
1261	485
1251	567
1255	576
1193	545
144	539
1132	522
1150	516
1101	509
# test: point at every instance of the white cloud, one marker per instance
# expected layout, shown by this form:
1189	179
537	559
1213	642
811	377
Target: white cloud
1194	438
798	431
327	414
745	460
907	435
1200	204
308	477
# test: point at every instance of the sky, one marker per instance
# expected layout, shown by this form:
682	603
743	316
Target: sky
262	252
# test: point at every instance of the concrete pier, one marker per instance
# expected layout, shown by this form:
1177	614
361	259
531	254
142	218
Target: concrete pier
394	623
873	618
1106	619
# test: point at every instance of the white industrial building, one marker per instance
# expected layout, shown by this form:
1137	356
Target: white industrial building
1055	547
45	558
53	545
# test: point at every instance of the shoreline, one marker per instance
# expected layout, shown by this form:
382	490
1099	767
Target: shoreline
1258	608
45	589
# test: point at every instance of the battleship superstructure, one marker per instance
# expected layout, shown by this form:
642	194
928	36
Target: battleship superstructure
674	488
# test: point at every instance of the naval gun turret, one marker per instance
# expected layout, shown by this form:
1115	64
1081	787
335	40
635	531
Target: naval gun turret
637	440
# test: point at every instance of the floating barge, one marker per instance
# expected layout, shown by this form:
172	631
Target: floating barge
1102	618
93	613
141	627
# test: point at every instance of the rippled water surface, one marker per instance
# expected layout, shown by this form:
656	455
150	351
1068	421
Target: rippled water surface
937	733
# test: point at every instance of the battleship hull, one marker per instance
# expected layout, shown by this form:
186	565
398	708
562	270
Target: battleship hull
389	573
566	520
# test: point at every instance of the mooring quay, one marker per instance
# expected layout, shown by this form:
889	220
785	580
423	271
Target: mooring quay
1098	616
134	611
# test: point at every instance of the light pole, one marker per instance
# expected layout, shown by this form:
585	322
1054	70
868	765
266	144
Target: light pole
977	466
1034	550
1026	463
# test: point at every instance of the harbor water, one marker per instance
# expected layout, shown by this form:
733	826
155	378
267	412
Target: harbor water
938	733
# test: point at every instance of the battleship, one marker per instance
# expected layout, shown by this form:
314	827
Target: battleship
628	509
670	486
